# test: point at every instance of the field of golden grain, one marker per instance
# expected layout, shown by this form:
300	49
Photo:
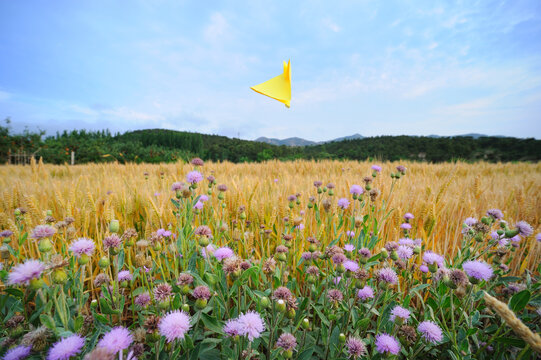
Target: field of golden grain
440	196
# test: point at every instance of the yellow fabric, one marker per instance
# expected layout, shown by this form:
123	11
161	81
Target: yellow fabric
279	87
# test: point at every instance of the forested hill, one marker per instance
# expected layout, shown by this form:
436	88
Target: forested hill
168	145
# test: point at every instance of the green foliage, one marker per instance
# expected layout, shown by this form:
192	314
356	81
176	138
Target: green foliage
156	145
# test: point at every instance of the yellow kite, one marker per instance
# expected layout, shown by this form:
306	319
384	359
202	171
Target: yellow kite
279	87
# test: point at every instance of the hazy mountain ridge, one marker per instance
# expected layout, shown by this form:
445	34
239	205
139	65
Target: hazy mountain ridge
297	141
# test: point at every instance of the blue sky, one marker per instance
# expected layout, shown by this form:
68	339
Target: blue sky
368	67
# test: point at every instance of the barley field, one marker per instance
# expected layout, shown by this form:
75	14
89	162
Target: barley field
440	196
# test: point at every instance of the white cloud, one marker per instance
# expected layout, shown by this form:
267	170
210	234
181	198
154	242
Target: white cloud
331	25
218	29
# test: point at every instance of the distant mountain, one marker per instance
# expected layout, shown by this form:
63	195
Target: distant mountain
293	141
296	141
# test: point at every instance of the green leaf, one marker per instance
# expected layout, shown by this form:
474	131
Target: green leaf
511	341
47	321
211	323
106	308
306	354
15	292
78	323
519	300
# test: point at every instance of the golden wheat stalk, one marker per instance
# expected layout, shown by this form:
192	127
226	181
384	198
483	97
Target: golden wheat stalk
533	339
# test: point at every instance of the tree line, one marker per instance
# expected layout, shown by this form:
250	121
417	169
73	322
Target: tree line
157	145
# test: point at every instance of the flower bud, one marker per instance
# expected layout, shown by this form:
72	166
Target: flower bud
394	255
311	279
281	305
209	192
291	313
287	354
104	262
359	283
17	212
124	284
384	254
500	232
305	324
186	308
60	276
221	196
331	192
340	268
49	213
36	284
164	304
45	245
94	304
511	233
342	338
433	267
114	226
312	247
157	246
203	241
310	205
265	302
281	257
486	220
417	250
200	303
185	289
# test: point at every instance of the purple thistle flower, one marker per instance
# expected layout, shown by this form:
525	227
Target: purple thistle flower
365	293
43	231
349	247
201	292
343	203
495	213
286	341
142	300
365	253
124	275
116	340
83	246
430	331
197	162
408	216
430	258
516	239
203	230
401	168
386	343
23	273
306	256
339	258
198	205
423	268
251	325
335	295
203	198
66	348
538	237
174	325
470	221
194	177
503	242
223	253
356	190
337	280
6	233
232	327
111	241
404	252
524	228
356	347
208	249
177	186
387	275
351	265
18	353
399	312
163	233
479	270
376	168
350	234
405	226
406	242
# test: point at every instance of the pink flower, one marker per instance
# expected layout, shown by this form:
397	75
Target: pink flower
251	325
23	273
43	231
223	253
83	246
174	325
116	340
